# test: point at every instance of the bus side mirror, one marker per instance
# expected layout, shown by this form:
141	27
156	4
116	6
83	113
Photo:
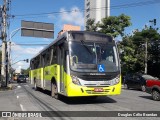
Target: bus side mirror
27	60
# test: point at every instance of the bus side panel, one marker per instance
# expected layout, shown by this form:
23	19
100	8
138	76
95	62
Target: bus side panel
67	80
56	72
41	78
47	77
50	72
36	76
31	76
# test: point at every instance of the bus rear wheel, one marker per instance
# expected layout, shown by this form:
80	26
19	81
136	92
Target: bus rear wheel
35	86
54	91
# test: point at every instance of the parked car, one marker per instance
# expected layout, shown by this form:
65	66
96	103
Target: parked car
137	81
153	88
27	77
21	78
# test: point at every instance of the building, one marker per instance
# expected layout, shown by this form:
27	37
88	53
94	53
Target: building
67	27
96	9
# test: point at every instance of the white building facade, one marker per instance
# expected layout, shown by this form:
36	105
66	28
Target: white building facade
96	9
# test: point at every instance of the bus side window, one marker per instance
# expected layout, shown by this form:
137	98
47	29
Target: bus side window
48	57
64	62
45	59
54	59
37	62
32	65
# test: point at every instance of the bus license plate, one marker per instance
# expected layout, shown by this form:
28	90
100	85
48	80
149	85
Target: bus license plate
98	89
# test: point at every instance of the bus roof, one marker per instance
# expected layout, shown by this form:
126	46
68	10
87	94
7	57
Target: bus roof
66	35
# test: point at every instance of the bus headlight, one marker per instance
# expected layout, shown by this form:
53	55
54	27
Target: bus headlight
75	80
115	80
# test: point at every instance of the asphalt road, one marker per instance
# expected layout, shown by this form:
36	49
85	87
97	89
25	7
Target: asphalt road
26	98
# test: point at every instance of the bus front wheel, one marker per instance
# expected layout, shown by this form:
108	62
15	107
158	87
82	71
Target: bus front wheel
54	91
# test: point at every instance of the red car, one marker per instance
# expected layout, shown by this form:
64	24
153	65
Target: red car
153	87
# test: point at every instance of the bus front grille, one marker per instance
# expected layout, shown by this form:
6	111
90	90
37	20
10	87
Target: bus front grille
97	77
95	85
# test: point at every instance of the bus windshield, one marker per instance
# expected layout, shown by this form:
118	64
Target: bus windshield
88	56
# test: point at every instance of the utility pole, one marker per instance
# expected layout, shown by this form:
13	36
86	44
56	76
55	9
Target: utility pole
4	44
146	56
9	51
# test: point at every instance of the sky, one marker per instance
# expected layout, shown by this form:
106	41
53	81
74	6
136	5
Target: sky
52	11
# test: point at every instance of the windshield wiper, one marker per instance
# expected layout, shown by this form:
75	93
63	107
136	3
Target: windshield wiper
83	43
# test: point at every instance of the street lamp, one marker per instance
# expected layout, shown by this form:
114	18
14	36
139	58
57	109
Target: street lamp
27	60
9	51
10	40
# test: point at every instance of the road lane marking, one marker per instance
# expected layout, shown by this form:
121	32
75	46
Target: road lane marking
22	108
26	85
17	97
19	86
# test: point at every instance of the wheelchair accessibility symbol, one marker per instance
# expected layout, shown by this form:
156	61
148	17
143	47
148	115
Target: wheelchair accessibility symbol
101	68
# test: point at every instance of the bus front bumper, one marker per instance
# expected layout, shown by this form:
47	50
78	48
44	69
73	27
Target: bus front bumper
75	90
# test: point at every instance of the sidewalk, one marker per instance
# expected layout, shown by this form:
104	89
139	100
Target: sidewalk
8	100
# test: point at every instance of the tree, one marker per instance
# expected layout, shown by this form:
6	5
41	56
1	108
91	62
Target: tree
25	71
152	38
133	51
91	25
127	50
114	25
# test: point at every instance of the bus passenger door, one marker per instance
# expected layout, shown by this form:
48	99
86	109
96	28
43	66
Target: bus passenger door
61	60
43	72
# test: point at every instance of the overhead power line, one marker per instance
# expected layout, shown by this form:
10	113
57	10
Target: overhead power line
137	4
29	44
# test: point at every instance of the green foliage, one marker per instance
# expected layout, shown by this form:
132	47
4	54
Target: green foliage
113	25
133	52
25	71
128	59
91	25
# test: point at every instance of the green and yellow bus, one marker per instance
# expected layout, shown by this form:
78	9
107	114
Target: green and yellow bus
78	63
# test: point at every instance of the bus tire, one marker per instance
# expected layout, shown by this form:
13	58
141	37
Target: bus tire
54	90
35	86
